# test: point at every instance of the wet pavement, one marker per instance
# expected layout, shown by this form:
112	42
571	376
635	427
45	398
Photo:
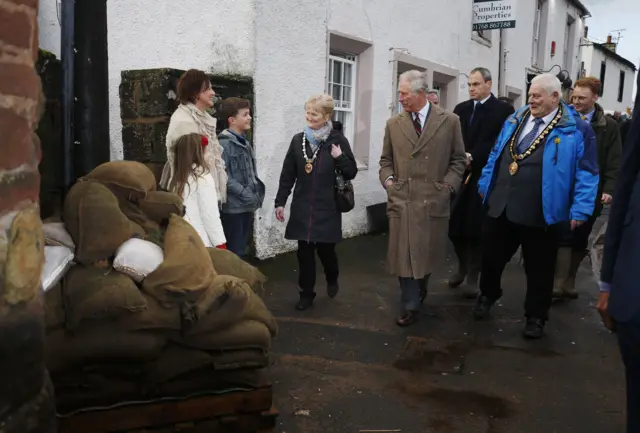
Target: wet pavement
345	367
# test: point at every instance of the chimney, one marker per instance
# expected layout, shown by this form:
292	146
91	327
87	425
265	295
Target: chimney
608	39
610	44
586	32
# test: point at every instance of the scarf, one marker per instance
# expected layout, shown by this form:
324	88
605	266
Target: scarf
317	136
206	126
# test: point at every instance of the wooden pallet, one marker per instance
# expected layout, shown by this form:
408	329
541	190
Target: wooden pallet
236	412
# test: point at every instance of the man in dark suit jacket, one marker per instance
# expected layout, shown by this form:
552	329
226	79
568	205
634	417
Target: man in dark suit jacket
481	119
620	275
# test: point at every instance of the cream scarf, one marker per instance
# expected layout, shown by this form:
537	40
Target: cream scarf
188	120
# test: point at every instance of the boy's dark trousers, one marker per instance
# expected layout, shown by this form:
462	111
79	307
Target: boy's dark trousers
237	228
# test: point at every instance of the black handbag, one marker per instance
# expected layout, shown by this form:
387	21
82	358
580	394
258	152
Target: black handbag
345	199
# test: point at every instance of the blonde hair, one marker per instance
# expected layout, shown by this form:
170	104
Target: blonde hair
322	103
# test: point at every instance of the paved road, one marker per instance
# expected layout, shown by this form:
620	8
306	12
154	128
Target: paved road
345	367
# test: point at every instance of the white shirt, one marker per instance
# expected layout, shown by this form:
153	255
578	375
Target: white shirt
422	114
531	124
201	204
475	103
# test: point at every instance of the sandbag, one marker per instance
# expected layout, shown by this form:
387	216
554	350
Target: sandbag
55	234
132	211
153	317
160	205
133	178
95	294
54	316
65	352
227	263
256	310
219	307
247	334
137	258
96	224
186	271
57	260
176	361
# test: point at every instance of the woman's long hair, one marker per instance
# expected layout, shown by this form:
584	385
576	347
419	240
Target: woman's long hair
188	161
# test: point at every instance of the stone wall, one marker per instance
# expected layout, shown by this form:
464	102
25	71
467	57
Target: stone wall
147	100
26	395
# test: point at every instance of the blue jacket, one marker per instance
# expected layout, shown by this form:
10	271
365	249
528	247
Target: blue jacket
569	168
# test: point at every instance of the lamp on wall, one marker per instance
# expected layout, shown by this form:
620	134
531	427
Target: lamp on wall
563	76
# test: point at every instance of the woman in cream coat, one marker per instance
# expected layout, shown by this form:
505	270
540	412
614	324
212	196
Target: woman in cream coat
196	96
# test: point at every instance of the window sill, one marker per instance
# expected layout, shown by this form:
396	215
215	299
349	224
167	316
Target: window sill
481	40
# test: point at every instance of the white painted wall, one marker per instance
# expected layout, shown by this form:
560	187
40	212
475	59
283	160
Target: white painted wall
49	26
283	46
592	59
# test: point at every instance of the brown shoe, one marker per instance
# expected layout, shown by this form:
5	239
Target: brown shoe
407	318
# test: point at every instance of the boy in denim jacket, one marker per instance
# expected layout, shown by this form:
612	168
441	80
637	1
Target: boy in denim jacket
245	191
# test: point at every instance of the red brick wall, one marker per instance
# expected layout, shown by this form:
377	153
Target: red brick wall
25	391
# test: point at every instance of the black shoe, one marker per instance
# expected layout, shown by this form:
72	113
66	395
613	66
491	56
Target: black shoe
457	279
332	290
483	308
305	302
534	329
423	294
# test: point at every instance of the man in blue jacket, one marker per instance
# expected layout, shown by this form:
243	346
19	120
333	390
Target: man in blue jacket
542	171
620	274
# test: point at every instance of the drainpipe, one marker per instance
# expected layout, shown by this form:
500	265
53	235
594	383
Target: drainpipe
67	57
502	69
91	136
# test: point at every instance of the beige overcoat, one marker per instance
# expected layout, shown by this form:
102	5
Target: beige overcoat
418	203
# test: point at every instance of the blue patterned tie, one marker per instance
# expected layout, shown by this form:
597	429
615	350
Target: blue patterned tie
528	139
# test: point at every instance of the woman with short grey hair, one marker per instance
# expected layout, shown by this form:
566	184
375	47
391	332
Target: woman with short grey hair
311	163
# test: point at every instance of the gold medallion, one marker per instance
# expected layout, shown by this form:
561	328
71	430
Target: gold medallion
513	168
308	167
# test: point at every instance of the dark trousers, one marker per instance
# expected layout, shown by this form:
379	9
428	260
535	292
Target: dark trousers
237	228
629	340
307	264
501	239
578	239
412	291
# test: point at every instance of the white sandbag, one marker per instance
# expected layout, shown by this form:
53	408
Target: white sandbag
57	261
137	258
55	234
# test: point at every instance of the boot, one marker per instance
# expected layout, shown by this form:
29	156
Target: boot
471	290
563	263
569	287
458	278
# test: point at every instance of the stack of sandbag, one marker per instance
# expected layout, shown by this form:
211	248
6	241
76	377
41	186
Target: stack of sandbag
146	309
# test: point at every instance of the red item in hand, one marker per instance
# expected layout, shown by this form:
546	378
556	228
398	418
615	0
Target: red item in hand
222	246
205	141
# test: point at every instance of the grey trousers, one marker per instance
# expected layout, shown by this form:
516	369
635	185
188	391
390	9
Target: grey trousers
411	290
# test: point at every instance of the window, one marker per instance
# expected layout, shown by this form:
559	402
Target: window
621	87
341	85
603	72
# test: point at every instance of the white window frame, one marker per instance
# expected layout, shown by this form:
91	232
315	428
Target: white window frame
351	59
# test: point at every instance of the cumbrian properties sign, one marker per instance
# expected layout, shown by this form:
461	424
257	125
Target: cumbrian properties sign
494	14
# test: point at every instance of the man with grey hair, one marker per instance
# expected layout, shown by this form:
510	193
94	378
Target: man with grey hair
481	119
421	168
542	171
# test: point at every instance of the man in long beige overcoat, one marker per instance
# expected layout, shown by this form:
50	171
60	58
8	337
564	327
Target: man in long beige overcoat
421	167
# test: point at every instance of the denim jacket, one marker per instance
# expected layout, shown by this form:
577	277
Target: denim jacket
245	191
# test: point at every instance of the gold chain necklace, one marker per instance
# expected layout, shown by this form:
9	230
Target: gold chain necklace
308	167
513	167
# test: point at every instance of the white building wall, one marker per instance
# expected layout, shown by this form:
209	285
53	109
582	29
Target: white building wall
592	59
49	12
283	45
